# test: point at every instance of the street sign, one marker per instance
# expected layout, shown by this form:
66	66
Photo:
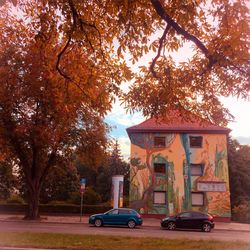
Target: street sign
83	185
82	189
83	181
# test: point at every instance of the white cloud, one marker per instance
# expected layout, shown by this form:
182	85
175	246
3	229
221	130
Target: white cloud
119	116
124	143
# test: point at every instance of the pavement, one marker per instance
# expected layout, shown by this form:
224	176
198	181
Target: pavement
148	222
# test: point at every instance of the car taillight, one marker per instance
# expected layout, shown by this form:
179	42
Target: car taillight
210	217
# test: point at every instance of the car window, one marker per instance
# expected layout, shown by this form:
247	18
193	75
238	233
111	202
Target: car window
185	215
114	211
123	211
132	212
197	215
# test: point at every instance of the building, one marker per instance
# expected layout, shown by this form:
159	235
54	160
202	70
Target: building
179	165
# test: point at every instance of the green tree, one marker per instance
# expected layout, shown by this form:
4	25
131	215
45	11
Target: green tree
7	179
239	172
60	183
114	165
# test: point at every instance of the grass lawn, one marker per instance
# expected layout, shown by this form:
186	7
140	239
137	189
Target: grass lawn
94	242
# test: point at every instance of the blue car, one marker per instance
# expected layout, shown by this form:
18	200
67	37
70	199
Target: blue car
117	216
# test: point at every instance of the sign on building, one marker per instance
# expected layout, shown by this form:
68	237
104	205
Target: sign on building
212	186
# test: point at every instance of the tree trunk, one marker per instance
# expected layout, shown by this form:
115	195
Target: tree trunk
32	212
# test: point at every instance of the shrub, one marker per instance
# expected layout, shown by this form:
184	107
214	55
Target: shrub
15	199
56	203
90	197
241	213
56	209
75	198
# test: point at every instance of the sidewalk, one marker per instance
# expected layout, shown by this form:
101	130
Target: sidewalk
148	222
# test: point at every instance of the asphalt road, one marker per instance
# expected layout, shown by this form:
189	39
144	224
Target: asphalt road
143	231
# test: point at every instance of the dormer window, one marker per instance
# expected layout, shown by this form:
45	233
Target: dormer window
159	142
195	141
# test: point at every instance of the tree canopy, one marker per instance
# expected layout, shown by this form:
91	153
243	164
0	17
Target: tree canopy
44	118
218	31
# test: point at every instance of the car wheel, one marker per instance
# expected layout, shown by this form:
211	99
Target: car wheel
131	224
98	223
206	227
171	226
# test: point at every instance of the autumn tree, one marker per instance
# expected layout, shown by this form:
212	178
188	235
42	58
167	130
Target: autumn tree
43	115
217	31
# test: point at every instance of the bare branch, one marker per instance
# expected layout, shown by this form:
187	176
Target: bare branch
162	39
59	58
164	15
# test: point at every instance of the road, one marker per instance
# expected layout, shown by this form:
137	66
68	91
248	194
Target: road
143	231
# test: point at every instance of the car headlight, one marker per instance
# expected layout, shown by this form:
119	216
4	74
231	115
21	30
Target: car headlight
165	219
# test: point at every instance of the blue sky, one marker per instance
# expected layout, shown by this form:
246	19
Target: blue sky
120	121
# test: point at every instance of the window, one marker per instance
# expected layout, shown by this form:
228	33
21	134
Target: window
196	169
113	211
197	199
123	211
159	142
198	215
159	168
195	141
185	215
159	197
132	212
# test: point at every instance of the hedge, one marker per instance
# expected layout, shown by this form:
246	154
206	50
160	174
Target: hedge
241	213
55	208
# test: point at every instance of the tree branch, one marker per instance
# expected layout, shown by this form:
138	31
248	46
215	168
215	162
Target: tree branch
164	15
59	58
162	39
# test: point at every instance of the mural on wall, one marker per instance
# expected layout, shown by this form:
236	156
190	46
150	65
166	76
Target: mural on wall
142	177
186	173
215	173
176	181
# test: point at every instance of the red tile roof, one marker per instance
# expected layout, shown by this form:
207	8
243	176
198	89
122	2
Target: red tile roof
176	124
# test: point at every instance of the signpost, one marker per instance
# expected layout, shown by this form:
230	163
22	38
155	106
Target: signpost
82	190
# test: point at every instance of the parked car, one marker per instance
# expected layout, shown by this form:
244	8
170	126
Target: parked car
117	216
189	220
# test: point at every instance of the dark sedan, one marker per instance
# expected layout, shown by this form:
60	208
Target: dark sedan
117	216
189	220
